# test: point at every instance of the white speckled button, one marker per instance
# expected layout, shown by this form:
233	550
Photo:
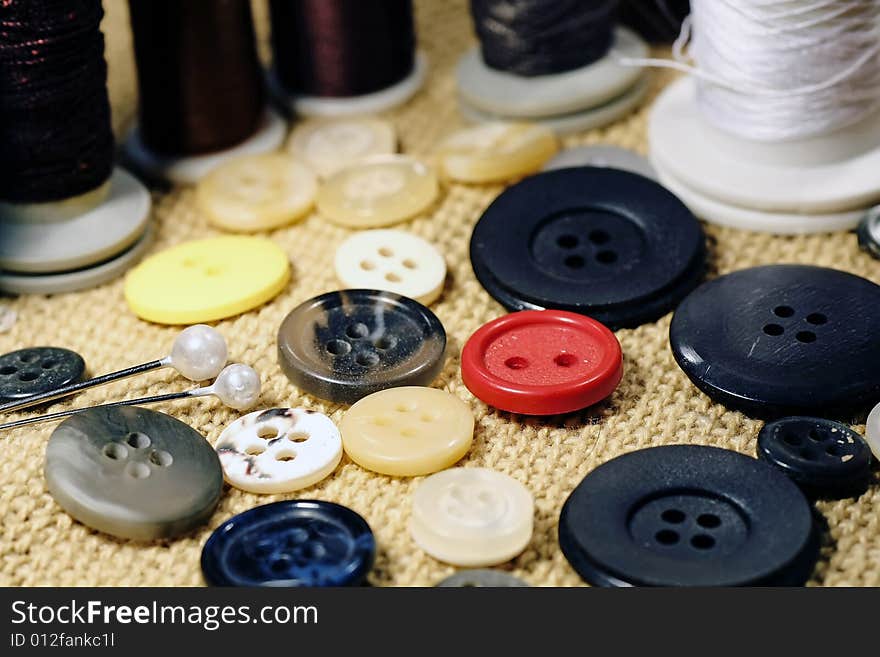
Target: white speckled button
391	260
279	450
495	152
257	192
472	517
872	432
329	146
379	191
406	432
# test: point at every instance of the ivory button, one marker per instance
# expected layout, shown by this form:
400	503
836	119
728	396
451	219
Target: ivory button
391	260
380	191
496	152
406	432
257	192
872	431
472	517
328	146
279	450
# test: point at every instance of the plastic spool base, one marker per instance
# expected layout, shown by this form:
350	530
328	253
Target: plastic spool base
733	216
373	103
566	124
189	170
79	279
94	233
830	175
492	92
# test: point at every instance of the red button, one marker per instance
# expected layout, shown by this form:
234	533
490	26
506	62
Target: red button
542	362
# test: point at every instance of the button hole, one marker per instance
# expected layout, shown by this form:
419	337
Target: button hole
385	342
298	437
773	329
673	516
255	450
410	264
516	363
115	451
409	433
285	455
366	265
30	375
137	470
28	357
817	319
367	359
7	370
357	330
805	336
703	542
385	252
49	364
161	458
708	520
391	277
267	432
138	440
338	347
783	311
565	360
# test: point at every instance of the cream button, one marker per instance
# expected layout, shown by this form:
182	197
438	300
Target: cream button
472	517
496	152
257	192
391	260
406	432
872	431
279	450
380	191
329	146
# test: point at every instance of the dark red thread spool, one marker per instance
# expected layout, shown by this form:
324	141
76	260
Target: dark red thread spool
56	140
201	84
342	48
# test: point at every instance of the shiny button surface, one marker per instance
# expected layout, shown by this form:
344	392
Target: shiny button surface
291	543
133	472
392	260
472	517
37	370
328	146
542	362
279	450
206	280
407	431
345	345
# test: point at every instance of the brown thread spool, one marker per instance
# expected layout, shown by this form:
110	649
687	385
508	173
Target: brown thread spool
201	85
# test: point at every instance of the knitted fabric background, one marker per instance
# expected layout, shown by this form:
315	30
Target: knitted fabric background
654	405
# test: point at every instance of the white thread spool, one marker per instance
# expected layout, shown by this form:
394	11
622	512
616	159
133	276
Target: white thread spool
810	166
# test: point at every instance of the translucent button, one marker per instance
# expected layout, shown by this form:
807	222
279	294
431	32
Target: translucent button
391	260
495	152
472	517
407	432
381	191
279	450
257	192
329	146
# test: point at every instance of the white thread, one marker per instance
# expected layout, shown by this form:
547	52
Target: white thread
778	70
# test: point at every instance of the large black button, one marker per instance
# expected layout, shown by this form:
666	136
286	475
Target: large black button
688	515
601	242
37	370
345	345
825	458
782	340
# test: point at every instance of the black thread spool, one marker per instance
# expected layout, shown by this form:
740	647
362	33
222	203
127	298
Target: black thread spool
658	21
337	57
202	96
550	61
68	219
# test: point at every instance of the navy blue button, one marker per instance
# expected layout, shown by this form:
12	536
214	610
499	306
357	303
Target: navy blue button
688	515
782	340
291	543
345	345
869	233
37	370
825	458
601	242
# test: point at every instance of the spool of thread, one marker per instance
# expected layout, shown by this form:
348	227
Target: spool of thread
202	96
68	219
778	127
55	135
344	56
658	21
550	61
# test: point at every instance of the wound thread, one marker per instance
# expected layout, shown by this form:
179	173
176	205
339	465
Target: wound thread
56	140
342	48
542	37
200	80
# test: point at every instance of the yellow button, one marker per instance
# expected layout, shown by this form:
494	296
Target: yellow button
379	191
257	192
207	280
495	152
406	432
331	145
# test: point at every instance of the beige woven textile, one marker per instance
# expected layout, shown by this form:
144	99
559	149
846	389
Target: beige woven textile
654	405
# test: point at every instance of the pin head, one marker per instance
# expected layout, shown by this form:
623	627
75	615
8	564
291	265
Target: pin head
237	386
199	353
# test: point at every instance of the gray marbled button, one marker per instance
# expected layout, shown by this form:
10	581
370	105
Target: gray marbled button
481	577
132	472
609	157
35	370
